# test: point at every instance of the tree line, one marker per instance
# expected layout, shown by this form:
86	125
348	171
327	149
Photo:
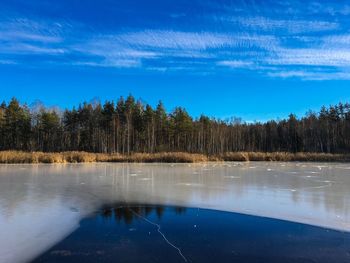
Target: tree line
128	126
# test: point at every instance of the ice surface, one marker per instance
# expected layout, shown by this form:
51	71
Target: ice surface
41	204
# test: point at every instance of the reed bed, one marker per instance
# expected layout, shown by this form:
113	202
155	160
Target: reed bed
283	157
13	157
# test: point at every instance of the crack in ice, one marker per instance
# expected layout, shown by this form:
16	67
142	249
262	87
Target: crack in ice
162	234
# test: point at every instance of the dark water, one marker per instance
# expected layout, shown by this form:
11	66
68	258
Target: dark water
130	234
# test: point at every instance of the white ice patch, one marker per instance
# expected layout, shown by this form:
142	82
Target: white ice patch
144	179
190	184
30	230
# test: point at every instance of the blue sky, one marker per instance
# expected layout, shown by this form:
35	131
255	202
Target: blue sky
254	59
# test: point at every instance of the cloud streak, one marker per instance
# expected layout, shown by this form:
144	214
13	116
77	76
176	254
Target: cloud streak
272	25
168	39
310	75
28	30
167	46
235	63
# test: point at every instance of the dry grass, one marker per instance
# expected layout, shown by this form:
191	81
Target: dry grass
165	157
284	157
85	157
257	156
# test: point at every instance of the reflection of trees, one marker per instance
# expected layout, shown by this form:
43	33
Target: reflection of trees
180	210
128	214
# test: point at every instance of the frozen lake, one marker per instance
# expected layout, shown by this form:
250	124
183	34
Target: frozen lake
40	205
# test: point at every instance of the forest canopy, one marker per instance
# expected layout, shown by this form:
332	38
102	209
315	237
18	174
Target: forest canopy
128	125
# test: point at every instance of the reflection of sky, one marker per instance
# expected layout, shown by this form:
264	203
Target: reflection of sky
110	48
41	204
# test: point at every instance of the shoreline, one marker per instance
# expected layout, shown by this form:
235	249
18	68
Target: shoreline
20	157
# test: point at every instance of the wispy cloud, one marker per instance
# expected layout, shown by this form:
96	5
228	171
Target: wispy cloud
235	63
115	63
190	41
334	8
295	26
168	45
29	30
176	39
30	49
312	57
263	45
310	75
28	37
7	62
336	41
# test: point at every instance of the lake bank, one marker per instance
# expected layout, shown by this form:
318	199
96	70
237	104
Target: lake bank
18	157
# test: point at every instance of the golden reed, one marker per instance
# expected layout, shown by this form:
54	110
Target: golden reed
13	157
